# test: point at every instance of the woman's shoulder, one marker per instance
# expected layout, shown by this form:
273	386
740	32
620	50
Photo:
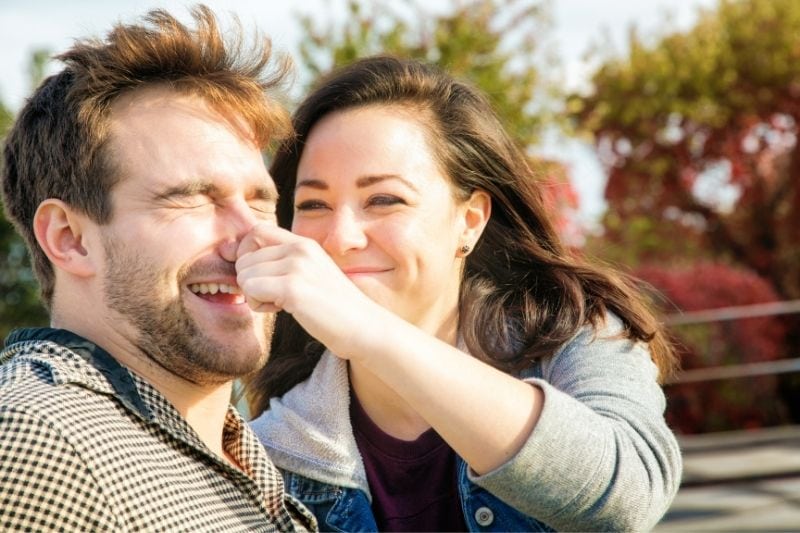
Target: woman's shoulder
600	348
607	332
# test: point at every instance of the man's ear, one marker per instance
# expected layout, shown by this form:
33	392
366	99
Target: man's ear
61	233
477	210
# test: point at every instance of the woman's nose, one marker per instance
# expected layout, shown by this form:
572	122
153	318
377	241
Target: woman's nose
345	233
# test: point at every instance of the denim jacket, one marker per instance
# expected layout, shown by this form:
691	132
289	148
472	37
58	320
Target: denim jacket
600	457
348	509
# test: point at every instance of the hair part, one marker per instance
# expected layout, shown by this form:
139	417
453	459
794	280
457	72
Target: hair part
523	294
59	144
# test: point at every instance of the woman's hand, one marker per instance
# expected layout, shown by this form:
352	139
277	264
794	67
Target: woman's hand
278	270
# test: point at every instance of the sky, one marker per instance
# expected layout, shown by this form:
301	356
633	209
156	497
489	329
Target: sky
579	26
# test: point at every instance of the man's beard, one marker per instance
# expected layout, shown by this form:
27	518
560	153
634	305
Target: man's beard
167	333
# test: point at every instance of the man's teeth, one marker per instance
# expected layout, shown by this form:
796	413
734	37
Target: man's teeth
214	288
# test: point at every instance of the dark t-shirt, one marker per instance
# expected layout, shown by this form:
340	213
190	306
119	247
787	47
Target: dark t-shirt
413	483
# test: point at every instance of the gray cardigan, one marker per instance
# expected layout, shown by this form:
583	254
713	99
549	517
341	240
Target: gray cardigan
601	456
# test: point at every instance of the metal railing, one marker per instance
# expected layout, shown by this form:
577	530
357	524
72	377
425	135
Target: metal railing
721	314
734	313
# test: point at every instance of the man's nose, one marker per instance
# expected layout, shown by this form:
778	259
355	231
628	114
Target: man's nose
239	219
345	233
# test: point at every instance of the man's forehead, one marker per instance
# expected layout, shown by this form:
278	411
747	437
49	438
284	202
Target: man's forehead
160	103
167	138
150	97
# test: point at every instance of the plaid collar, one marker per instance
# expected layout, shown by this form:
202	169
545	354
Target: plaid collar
103	373
87	364
65	358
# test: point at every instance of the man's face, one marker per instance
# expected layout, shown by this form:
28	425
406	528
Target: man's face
193	184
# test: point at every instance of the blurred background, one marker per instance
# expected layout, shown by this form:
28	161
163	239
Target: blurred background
666	138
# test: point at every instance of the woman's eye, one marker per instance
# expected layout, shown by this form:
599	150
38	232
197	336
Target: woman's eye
309	205
384	200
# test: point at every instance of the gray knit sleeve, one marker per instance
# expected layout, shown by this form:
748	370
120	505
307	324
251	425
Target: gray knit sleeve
601	456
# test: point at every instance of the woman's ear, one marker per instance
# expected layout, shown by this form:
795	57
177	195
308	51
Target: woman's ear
477	210
60	232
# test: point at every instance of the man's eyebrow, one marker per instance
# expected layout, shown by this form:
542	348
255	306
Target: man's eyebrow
265	193
362	182
192	188
189	188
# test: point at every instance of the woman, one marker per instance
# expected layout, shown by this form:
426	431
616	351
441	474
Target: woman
443	363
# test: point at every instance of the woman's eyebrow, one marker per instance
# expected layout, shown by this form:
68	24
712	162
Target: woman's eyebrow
313	184
367	181
362	182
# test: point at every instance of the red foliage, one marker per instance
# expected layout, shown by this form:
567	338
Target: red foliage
560	199
723	404
700	133
706	122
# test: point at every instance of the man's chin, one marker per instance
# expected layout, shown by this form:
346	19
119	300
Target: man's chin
244	351
241	345
224	365
216	322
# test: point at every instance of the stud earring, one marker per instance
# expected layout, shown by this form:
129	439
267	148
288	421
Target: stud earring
465	249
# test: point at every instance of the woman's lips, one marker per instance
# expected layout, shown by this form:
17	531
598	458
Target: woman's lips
356	271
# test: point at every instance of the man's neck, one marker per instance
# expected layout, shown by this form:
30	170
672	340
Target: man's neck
204	406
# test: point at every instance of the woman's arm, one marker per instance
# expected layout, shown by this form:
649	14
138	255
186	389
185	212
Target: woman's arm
601	456
484	414
585	448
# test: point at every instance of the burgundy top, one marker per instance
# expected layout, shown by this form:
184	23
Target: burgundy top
413	483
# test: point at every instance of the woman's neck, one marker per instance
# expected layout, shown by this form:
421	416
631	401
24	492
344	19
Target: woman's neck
388	410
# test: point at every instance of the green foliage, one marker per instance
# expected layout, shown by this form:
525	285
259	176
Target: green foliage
37	68
736	61
714	108
6	118
699	132
636	239
493	43
19	293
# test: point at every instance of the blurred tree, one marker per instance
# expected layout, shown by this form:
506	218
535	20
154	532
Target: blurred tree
6	118
19	293
495	44
698	131
37	68
720	405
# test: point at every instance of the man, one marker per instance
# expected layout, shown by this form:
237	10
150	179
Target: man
133	175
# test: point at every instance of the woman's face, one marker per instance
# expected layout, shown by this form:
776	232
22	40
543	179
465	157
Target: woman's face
370	191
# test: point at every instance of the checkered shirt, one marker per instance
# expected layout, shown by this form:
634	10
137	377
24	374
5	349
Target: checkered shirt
86	445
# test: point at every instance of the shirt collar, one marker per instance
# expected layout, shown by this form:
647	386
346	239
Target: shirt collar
74	359
87	364
117	377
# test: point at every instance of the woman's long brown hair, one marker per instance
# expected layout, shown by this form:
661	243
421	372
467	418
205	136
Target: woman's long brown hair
523	294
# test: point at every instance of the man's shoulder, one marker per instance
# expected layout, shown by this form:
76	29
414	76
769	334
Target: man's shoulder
30	373
27	377
46	385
